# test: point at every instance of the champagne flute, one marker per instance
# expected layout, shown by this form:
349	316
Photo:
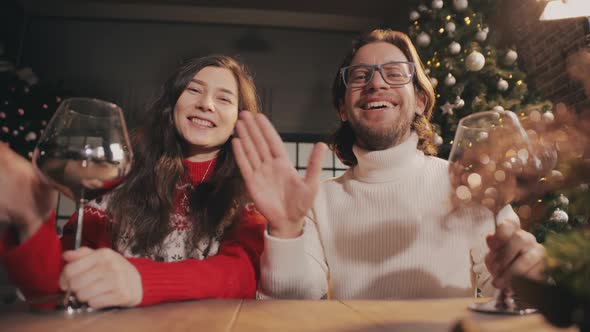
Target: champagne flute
492	163
84	152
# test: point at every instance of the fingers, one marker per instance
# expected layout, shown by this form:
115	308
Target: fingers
517	245
255	129
537	272
247	143
503	233
529	264
241	159
506	229
513	252
94	290
98	293
88	284
72	255
274	141
257	141
77	267
314	165
102	278
105	300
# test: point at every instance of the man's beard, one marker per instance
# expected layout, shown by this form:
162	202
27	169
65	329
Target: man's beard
380	139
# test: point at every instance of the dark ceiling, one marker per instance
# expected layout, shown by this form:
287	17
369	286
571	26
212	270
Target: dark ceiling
366	8
341	15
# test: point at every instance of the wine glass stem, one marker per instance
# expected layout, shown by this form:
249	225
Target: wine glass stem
78	240
71	303
504	299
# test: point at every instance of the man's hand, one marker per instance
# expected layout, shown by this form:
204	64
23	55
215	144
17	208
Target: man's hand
275	186
513	252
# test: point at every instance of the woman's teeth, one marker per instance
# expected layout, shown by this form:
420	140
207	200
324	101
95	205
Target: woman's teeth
201	122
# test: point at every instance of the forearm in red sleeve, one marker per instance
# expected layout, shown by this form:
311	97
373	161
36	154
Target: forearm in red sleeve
231	273
35	265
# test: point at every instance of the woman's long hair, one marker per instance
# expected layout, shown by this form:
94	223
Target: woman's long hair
343	139
141	206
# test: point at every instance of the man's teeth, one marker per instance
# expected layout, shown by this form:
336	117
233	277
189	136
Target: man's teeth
379	104
204	123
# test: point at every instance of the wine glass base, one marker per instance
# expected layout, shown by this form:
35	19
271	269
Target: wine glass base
73	307
71	311
491	307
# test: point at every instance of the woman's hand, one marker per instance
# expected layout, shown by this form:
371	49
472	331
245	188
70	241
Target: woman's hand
102	278
278	191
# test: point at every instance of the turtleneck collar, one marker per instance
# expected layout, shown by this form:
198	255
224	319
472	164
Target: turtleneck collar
390	164
199	171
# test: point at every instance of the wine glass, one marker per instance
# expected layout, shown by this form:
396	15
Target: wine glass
84	152
492	162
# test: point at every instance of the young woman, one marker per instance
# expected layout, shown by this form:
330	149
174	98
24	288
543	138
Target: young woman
179	227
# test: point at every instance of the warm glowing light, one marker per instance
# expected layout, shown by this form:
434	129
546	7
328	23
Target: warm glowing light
561	9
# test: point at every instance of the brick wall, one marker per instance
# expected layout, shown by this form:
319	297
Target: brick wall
544	46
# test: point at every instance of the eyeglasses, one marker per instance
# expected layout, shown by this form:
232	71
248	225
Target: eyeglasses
393	73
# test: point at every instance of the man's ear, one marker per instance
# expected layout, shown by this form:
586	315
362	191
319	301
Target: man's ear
342	112
421	99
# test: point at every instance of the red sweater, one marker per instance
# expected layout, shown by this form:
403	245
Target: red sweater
35	265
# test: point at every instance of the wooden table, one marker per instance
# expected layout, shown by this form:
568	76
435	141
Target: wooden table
275	315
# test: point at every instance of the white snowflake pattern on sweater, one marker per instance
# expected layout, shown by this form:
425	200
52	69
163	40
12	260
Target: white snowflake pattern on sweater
175	245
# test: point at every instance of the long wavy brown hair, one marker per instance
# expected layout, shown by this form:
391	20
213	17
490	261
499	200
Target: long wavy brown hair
343	138
141	206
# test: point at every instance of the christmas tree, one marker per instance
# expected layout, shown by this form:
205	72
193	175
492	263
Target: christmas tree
471	74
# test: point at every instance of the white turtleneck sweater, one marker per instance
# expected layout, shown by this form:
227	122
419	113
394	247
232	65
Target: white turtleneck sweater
384	229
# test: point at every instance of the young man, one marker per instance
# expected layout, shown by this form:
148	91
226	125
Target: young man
385	228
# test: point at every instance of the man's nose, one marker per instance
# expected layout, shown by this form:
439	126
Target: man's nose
377	81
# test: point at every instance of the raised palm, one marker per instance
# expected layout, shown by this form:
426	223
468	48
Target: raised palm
278	191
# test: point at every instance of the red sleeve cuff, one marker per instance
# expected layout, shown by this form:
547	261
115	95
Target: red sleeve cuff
12	252
34	266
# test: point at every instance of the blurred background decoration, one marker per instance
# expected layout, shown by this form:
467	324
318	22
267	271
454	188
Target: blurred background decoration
474	61
532	58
